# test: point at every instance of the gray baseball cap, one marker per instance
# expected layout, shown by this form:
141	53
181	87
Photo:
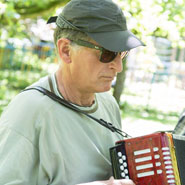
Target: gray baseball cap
101	20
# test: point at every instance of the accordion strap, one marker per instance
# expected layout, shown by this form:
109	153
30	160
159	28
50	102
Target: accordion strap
70	106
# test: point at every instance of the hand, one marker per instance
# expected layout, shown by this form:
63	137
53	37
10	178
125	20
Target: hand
111	181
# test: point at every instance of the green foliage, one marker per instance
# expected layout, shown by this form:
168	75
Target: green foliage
14	14
161	18
164	18
24	69
31	8
12	82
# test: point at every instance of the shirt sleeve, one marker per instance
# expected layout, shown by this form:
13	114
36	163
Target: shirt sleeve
18	159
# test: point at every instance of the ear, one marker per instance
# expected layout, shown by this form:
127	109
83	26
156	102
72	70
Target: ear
63	49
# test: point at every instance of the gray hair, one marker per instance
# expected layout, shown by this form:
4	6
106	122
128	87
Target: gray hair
70	34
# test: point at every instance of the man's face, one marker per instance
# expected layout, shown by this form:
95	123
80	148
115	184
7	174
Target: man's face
89	74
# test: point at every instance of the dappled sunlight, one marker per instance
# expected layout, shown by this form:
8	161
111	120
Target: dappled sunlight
150	82
140	127
161	96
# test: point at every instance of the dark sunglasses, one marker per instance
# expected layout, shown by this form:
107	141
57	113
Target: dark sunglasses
106	55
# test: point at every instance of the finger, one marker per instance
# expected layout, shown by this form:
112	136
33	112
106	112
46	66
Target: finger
127	182
111	178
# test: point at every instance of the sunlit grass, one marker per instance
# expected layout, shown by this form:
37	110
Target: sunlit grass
141	112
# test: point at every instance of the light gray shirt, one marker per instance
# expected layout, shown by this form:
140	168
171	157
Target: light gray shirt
42	142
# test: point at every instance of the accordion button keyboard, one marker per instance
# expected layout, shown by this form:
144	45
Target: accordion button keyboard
119	156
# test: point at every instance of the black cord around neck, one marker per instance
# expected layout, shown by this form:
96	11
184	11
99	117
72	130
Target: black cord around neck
70	106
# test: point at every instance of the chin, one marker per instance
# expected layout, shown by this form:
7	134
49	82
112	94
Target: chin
104	89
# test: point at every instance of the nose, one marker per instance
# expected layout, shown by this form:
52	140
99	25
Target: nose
117	64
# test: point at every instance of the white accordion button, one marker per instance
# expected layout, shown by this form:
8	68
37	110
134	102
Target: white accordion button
157	164
159	171
167	162
121	168
120	161
167	158
166	153
171	181
169	171
155	149
170	176
123	174
126	171
119	154
125	164
124	157
165	148
156	156
168	167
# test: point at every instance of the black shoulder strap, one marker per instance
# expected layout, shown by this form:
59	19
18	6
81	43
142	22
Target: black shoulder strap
70	106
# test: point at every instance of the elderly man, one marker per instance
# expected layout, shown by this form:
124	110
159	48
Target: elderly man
43	142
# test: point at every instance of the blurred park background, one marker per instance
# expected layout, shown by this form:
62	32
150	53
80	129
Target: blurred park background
151	87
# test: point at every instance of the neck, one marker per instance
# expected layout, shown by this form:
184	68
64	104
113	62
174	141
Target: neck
72	93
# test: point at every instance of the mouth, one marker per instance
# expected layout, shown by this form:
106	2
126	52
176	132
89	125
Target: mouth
109	78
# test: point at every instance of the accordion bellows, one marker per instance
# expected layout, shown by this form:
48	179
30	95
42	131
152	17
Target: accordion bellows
155	159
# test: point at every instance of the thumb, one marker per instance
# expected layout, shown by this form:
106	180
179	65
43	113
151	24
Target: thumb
111	179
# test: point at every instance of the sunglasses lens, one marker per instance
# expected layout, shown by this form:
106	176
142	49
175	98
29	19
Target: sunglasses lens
107	56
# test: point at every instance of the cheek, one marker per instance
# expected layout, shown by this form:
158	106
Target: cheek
84	73
87	67
91	69
90	74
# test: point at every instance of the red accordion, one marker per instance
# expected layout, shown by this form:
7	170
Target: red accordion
155	159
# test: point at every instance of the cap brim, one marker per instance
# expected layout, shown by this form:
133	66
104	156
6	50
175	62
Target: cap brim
117	41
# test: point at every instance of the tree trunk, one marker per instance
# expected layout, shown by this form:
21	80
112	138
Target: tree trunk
119	86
